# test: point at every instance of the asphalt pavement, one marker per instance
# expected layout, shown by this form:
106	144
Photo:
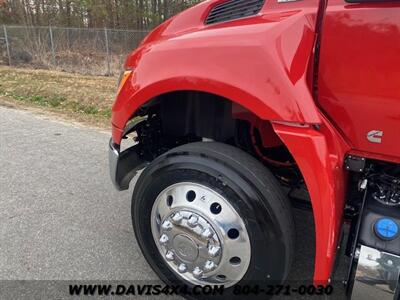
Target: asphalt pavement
62	219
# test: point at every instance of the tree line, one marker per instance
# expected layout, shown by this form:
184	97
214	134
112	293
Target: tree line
118	14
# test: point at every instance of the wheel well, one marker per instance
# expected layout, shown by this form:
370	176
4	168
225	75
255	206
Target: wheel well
193	113
182	117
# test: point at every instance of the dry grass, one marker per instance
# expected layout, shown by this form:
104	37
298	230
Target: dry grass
86	99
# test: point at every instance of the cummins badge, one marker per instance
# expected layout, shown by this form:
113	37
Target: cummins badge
375	136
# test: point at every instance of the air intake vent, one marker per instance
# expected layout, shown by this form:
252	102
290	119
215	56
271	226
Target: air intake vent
234	9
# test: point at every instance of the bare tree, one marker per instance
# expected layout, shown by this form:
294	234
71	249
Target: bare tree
118	14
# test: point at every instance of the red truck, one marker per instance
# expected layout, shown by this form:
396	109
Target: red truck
236	109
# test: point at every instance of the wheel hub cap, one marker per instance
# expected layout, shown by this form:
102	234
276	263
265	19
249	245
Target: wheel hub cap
200	235
185	248
192	241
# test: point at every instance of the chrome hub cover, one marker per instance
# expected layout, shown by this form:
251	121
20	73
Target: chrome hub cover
186	248
200	235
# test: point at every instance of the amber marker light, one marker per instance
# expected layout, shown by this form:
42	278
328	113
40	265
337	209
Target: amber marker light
122	79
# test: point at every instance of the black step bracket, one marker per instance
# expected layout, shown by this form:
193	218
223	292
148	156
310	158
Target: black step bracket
355	163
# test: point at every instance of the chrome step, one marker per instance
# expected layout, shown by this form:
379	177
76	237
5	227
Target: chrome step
377	275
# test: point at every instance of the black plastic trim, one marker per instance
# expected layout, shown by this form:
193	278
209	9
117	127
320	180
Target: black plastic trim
123	165
233	10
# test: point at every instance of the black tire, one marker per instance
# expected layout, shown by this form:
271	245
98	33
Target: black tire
250	188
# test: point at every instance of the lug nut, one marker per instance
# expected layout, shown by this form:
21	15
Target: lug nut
197	272
177	218
164	239
214	251
209	266
167	225
170	256
182	268
207	233
193	221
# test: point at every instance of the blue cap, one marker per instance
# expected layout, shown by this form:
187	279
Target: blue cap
386	229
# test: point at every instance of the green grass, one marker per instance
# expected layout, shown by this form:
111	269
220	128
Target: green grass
59	102
83	98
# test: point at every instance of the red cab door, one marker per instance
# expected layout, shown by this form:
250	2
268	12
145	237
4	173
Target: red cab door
359	74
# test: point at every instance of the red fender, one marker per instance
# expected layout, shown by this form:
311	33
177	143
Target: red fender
320	154
260	63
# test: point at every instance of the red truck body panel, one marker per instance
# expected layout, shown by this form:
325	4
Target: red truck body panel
260	63
264	63
320	155
359	74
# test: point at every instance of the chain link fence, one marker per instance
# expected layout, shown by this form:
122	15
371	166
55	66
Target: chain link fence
76	50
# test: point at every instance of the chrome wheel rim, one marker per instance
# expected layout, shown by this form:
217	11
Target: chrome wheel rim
200	235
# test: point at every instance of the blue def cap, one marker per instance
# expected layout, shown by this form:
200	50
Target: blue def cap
386	229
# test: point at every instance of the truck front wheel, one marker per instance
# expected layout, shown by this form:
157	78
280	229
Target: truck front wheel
210	214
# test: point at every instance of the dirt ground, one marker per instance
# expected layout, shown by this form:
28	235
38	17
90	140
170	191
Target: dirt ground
85	99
